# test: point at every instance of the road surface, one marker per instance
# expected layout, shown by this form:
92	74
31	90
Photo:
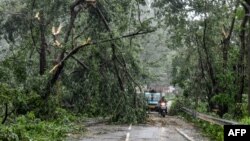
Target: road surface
170	128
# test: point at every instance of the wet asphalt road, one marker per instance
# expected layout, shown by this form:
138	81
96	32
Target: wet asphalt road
157	128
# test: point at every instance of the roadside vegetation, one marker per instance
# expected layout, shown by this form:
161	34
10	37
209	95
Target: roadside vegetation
28	127
213	131
212	64
211	67
62	61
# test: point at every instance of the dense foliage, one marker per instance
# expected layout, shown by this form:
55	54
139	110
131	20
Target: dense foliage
88	57
79	55
211	38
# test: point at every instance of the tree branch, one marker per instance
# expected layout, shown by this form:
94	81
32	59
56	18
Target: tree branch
79	62
74	10
59	67
139	12
6	113
114	46
208	60
76	49
233	22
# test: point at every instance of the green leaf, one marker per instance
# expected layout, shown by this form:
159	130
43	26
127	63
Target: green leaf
240	13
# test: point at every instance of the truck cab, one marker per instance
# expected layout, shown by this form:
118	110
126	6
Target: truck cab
152	98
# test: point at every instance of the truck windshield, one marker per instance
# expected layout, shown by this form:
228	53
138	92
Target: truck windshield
153	96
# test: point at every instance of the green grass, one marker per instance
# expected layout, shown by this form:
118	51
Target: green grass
245	120
213	131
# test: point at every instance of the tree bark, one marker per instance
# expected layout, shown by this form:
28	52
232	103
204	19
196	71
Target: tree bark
74	10
208	60
248	65
246	5
241	67
227	38
43	44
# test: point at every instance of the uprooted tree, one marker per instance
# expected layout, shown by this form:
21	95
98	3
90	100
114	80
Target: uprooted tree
85	53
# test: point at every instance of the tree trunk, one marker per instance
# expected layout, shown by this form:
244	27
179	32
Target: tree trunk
241	68
208	61
43	45
226	40
247	12
225	48
201	65
60	67
54	78
6	113
248	65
